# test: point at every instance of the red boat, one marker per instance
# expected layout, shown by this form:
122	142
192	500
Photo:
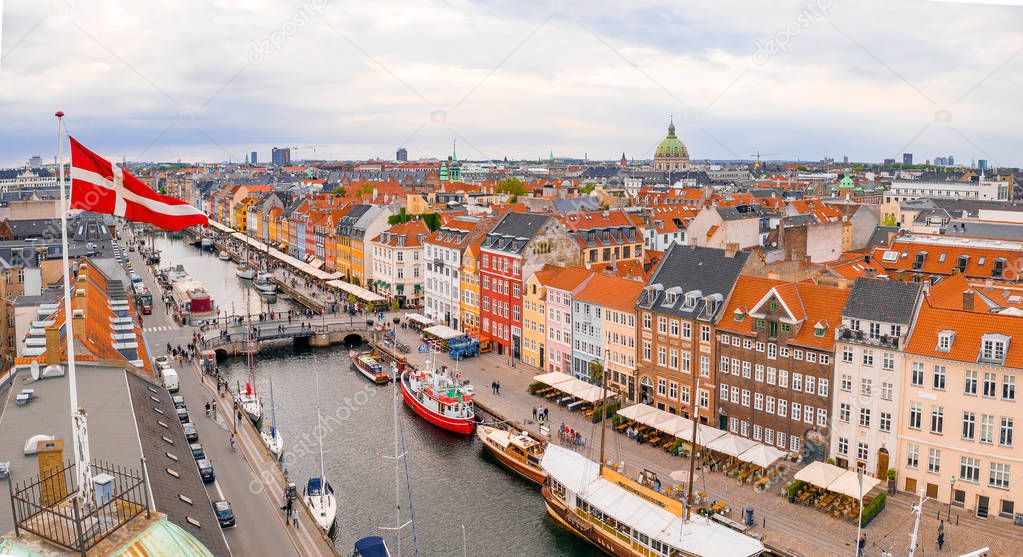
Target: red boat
439	399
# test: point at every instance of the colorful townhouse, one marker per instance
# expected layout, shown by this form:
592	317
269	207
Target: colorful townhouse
354	231
443	251
562	286
398	262
963	362
469	285
867	388
776	344
534	317
607	304
604	237
678	311
520	244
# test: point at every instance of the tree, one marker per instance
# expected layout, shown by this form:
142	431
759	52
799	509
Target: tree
587	188
889	220
432	221
352	299
395	306
512	186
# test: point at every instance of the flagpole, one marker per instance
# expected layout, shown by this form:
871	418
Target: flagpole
79	427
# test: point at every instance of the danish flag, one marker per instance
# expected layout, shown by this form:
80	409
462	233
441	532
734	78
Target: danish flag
102	187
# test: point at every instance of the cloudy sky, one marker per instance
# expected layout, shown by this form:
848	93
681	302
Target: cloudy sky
215	79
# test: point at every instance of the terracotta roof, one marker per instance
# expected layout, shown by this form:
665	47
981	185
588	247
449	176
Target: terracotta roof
404	235
808	303
941	255
613	292
569	278
969	329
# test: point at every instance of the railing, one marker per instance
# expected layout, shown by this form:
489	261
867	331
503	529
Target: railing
847	334
48	508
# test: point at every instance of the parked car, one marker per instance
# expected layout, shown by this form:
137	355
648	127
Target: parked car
162	362
197	451
206	470
225	514
183	415
191	434
179	401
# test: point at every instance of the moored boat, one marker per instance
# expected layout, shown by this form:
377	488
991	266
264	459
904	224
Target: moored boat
273	440
319	496
439	399
264	284
371	546
245	272
250	404
206	243
224	256
516	450
369	367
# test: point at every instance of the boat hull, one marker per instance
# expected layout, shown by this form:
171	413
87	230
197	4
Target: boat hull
274	443
378	378
323	509
247	274
607	543
461	426
536	475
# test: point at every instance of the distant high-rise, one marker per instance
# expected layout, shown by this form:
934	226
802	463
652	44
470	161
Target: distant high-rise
889	162
907	159
253	158
281	156
401	155
982	164
845	159
951	160
940	161
36	161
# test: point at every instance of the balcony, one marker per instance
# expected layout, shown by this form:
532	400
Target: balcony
847	334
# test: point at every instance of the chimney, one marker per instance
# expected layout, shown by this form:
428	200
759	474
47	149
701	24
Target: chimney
730	249
968	300
52	346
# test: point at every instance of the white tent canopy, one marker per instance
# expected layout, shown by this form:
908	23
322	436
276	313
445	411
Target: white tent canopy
820	474
572	386
443	332
285	258
637	412
420	318
553	378
357	291
848	484
731	445
762	455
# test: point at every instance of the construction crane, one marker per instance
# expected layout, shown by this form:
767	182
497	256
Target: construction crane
295	148
758	154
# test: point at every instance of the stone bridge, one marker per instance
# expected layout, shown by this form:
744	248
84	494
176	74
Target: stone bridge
236	340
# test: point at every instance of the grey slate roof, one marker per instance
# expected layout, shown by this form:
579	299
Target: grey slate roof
880	235
738	212
686	269
514	232
576	204
882	300
1004	231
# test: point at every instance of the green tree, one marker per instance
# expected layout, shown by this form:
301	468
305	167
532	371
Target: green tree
587	188
401	217
888	221
432	221
395	306
512	186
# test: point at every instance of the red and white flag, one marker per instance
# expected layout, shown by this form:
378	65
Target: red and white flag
102	187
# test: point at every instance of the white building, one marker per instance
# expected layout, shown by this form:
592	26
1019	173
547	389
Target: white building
868	366
982	189
27	178
397	270
443	257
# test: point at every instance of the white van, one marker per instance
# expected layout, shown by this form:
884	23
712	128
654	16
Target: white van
170	379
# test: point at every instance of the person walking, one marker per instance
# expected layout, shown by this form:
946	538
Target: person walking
534	413
861	545
941	540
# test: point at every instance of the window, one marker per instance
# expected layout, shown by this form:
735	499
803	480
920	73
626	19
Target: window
797	354
915	415
723	368
781	439
822	417
945	339
886	390
939	377
768	436
646	350
969	425
735	395
969	469
811	357
758	401
724	392
808	385
847	383
917	377
772	351
758	373
746	370
783	406
862	451
673	362
757	432
885	422
866	385
987	429
733	425
999	475
797	381
662	356
822	387
1009	387
783	378
687	330
847	355
887	361
661	385
868	358
794	444
990	385
865	417
970	387
993	348
797	411
937	419
673	390
843	446
745	398
646	321
912	456
685	394
662	325
934	461
747	344
844	411
674	328
1005	433
770	404
704	333
771	375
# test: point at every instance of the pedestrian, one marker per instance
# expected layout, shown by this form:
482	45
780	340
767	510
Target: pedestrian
534	412
941	540
941	527
498	387
207	409
213	407
294	518
861	545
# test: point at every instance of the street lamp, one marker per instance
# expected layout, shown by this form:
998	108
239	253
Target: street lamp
951	492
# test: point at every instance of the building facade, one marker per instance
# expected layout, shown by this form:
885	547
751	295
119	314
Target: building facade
398	262
443	250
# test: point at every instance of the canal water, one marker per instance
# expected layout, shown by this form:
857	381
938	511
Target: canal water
455	485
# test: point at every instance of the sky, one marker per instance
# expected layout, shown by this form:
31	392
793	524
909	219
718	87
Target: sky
212	80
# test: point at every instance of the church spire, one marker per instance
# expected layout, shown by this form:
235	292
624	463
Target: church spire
671	126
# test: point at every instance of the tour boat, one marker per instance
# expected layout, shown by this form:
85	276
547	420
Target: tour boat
518	451
369	367
245	272
318	494
250	403
264	284
224	256
206	243
634	520
439	399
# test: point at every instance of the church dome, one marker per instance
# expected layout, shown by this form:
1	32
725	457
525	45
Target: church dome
671	146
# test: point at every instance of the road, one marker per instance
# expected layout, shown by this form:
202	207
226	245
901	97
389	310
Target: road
245	477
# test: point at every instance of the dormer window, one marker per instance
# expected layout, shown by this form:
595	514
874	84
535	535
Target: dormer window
998	269
993	348
820	328
773	305
739	315
945	339
691	299
918	261
962	262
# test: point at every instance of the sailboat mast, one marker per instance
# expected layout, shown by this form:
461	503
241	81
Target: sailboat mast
319	438
397	470
603	412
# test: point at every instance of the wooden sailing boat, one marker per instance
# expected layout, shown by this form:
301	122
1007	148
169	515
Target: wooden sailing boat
518	451
625	518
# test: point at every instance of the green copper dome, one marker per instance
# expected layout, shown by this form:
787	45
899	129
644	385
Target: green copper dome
847	182
671	147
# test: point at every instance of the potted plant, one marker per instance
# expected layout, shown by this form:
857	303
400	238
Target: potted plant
892	484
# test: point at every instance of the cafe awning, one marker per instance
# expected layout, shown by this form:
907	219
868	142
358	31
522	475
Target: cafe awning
820	474
419	318
443	332
731	445
357	291
762	455
636	412
849	484
575	387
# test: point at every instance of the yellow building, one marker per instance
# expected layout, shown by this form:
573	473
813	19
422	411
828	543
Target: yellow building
416	204
241	213
469	283
534	318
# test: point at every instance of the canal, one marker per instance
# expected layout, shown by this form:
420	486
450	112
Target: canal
454	484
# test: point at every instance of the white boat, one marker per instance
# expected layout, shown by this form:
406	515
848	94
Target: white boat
206	243
224	256
245	272
273	440
250	404
264	284
318	494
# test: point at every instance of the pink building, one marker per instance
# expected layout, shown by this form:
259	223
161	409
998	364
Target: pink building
561	288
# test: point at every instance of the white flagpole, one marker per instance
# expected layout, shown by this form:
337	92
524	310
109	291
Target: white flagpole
80	433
